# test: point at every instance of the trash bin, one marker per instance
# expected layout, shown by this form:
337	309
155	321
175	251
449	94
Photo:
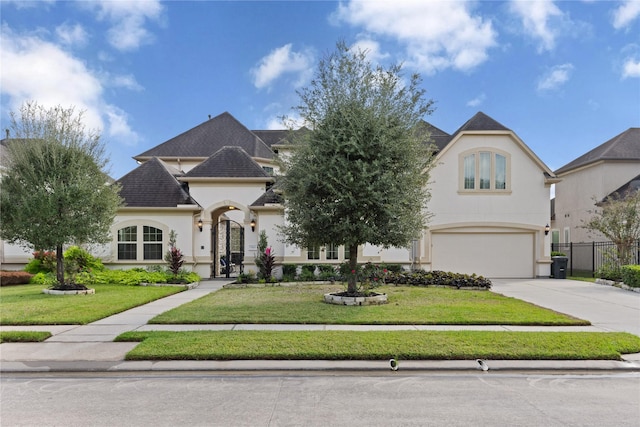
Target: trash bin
559	267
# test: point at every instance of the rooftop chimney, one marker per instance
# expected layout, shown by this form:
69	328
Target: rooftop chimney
7	130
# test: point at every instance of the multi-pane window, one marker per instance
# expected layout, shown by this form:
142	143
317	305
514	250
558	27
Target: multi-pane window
313	252
127	247
332	251
152	238
485	170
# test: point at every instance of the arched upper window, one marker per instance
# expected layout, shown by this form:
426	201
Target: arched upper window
152	243
484	170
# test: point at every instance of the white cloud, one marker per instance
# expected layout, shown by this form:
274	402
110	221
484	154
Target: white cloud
280	61
126	81
371	47
436	35
537	17
478	100
555	77
36	69
631	68
119	127
626	13
128	20
72	35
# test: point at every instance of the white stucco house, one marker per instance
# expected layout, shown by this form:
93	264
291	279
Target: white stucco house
212	185
611	167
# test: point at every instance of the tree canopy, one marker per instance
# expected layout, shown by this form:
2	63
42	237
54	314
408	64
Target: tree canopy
618	219
55	189
360	175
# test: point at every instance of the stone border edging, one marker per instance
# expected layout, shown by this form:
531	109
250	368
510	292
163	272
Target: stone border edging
74	292
615	284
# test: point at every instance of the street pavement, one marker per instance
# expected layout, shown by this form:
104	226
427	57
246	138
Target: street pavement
91	347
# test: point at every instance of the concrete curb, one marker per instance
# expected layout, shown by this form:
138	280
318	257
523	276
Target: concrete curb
322	366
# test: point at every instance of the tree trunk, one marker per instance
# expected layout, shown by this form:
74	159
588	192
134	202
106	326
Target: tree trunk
352	283
60	265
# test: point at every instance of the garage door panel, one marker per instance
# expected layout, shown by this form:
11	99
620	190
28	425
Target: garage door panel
506	255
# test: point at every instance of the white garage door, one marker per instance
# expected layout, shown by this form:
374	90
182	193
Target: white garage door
492	255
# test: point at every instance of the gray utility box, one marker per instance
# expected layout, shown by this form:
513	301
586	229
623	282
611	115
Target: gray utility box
559	267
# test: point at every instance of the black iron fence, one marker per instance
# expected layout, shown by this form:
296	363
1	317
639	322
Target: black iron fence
586	258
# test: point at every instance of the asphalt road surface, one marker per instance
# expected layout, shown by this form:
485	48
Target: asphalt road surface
320	399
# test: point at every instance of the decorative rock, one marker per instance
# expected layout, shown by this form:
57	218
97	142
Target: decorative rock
377	299
75	292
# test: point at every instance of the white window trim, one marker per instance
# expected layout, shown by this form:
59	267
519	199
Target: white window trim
139	241
477	190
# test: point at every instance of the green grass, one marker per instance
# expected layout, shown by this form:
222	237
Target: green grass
403	345
407	305
27	305
583	279
23	336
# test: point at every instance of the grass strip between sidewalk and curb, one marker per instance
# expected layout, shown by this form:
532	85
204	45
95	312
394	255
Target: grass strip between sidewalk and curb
23	336
27	305
376	345
407	305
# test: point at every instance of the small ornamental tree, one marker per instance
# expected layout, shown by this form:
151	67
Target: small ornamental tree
360	175
174	256
618	219
265	259
55	189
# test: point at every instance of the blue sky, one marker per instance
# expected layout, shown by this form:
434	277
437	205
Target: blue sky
564	75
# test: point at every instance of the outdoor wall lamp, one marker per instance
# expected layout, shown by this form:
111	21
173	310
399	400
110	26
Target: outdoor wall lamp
253	225
546	230
200	224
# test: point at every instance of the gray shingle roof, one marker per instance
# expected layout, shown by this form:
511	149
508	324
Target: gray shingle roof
480	121
271	137
228	162
269	197
625	146
629	188
153	184
209	137
437	136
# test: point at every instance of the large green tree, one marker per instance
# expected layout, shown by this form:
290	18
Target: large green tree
618	219
55	188
360	175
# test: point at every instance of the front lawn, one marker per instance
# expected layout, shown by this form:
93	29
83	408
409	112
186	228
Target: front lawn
407	305
23	336
379	345
27	305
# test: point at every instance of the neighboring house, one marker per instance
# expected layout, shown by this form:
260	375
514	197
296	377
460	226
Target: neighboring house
609	168
213	185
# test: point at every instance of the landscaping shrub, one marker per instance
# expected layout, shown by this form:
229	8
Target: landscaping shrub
134	276
631	275
556	253
42	262
14	278
610	271
326	272
77	259
438	278
307	275
289	272
249	277
44	279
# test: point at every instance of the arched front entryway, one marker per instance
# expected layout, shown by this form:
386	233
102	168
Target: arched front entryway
227	241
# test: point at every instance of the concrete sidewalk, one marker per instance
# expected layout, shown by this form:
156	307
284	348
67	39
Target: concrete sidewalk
91	347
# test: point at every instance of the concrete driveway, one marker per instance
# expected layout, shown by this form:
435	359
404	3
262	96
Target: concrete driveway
606	307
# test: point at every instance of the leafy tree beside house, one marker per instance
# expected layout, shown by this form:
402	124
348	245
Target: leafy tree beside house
55	190
360	176
618	219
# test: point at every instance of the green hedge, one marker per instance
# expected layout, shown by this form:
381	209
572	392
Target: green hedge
631	275
131	277
438	278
